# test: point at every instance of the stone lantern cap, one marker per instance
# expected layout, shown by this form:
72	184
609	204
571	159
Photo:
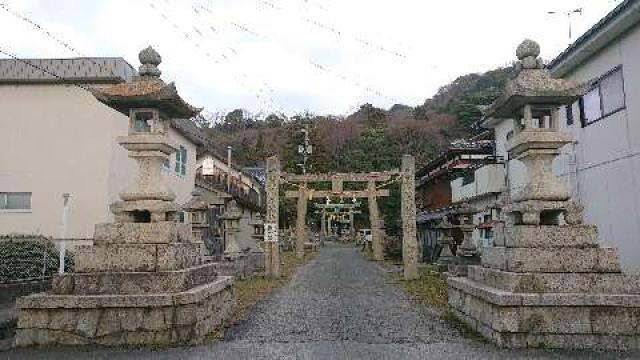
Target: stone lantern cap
533	85
147	91
196	202
232	212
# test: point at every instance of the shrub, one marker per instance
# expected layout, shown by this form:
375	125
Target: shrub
28	258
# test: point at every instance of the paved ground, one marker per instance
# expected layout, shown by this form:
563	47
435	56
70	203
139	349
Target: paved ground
339	306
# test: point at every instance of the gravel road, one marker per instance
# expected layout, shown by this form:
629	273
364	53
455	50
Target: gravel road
338	306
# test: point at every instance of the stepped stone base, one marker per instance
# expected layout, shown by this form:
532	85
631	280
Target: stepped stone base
599	321
112	320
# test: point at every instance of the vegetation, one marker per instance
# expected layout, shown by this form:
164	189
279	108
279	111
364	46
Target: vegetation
29	258
430	288
370	139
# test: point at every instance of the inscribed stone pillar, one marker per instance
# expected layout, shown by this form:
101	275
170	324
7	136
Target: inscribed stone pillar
272	249
301	227
374	218
409	241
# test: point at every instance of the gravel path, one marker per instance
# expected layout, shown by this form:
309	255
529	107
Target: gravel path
338	306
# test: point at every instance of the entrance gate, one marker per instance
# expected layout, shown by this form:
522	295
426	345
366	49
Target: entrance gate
405	175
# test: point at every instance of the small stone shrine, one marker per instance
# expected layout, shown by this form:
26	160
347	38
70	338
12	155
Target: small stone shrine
546	282
143	281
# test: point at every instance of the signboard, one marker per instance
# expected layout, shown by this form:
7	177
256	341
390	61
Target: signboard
207	167
270	232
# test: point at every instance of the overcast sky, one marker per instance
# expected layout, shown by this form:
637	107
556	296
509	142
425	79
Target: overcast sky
324	56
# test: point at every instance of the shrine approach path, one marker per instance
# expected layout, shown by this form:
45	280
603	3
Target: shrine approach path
338	306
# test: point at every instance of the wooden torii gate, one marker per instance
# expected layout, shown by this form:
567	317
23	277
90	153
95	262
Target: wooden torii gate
275	177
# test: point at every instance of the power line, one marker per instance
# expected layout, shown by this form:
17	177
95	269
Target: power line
242	78
313	63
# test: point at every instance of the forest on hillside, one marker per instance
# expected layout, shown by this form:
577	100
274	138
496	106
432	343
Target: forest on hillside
370	139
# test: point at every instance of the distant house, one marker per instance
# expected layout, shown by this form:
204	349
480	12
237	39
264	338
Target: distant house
57	138
602	166
434	192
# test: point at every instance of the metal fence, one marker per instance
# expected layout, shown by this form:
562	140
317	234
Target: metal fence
25	258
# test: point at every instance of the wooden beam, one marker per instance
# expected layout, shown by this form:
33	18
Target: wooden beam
348	177
347	194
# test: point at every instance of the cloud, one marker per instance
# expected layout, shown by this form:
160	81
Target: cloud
294	55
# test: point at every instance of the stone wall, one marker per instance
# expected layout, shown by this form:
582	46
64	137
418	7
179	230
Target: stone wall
186	317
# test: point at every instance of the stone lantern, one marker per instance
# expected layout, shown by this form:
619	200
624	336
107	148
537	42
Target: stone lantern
143	277
258	229
231	218
546	282
198	216
467	251
444	240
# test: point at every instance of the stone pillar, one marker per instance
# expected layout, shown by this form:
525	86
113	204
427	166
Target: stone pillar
409	241
272	249
301	227
352	229
374	218
231	218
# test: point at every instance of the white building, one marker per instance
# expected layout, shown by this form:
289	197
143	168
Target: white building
602	166
57	138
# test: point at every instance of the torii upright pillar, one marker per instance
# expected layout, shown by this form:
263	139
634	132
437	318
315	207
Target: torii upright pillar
409	241
374	218
301	226
271	243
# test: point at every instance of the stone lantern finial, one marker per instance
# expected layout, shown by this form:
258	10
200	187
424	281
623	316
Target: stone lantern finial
149	61
528	52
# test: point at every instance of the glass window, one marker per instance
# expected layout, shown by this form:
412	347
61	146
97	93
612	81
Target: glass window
591	105
181	161
612	92
605	98
15	201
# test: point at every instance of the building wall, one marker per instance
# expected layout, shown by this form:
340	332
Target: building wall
434	195
603	166
55	139
58	138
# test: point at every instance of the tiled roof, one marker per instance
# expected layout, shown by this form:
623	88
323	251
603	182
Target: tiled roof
78	70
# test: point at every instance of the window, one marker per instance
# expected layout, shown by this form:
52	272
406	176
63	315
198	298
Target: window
181	161
468	177
15	201
605	97
569	110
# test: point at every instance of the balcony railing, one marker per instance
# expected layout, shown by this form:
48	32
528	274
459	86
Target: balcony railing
253	199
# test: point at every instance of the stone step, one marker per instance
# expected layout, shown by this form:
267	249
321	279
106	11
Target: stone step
133	282
546	236
607	283
136	257
142	233
556	260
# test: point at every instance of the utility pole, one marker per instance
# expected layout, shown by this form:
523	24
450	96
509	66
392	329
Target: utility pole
228	168
305	149
569	14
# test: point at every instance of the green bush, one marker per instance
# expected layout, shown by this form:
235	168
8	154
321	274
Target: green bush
28	258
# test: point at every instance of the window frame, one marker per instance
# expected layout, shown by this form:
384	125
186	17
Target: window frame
4	194
596	84
180	167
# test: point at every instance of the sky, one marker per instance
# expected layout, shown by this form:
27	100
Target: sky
291	56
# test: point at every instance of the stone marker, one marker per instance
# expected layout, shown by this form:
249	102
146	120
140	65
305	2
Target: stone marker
143	281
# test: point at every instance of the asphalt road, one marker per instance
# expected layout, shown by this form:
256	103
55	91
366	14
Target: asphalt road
338	306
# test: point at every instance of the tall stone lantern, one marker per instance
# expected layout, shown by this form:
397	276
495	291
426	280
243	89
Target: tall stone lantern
197	209
231	218
546	282
143	278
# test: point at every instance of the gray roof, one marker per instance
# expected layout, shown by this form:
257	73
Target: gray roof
615	23
190	130
76	70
